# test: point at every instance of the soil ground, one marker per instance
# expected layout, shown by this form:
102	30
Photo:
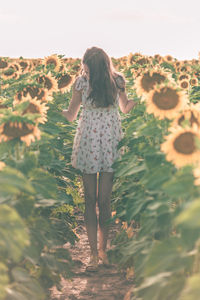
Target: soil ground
108	283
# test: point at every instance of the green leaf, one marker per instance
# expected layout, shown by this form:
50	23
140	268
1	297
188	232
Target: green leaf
192	288
154	160
13	233
20	274
181	184
163	286
28	162
24	288
156	177
130	169
190	216
165	256
4	280
43	182
12	181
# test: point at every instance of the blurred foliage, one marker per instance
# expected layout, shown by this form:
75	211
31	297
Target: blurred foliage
160	204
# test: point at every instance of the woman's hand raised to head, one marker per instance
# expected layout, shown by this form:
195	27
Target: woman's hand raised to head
74	105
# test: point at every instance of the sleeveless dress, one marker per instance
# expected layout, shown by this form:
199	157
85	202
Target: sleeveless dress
97	135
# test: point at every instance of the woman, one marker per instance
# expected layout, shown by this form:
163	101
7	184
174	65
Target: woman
100	90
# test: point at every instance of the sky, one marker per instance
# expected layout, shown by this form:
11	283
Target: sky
39	28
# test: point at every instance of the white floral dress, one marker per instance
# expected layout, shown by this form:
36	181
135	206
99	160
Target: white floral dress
97	135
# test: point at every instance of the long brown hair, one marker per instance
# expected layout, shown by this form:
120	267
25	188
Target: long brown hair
102	77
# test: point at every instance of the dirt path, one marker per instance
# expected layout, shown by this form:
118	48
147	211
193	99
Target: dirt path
108	283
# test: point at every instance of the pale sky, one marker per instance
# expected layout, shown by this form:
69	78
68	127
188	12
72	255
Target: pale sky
40	28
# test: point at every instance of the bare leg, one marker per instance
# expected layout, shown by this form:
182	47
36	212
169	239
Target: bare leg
104	194
90	216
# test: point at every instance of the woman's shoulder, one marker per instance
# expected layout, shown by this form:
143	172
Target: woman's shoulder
80	82
120	80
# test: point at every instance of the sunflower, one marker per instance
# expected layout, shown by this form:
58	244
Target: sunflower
10	72
146	82
33	91
190	115
65	82
48	82
177	64
165	101
168	58
35	107
26	132
185	68
184	84
53	60
180	146
194	81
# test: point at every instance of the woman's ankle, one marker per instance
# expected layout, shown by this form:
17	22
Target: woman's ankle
102	250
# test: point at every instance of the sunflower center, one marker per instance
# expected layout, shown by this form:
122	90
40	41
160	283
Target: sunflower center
21	129
167	98
169	58
185	143
149	81
193	81
184	84
51	61
64	81
9	72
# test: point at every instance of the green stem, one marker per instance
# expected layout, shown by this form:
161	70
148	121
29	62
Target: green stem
17	151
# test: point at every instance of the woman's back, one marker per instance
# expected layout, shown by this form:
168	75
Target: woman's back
98	133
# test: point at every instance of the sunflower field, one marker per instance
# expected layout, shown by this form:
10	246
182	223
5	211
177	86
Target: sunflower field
156	194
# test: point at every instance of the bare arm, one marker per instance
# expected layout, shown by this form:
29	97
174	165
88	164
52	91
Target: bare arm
125	104
71	113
